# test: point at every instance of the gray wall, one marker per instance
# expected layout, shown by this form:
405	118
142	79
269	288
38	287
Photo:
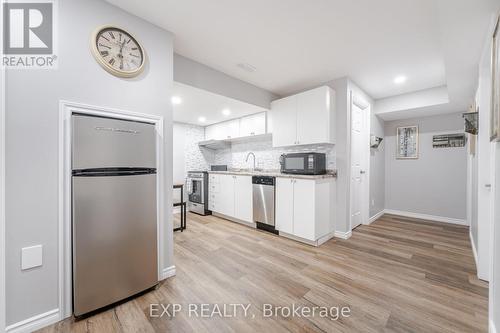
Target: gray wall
192	73
435	183
32	139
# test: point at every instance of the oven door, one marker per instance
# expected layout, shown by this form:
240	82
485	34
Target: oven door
196	187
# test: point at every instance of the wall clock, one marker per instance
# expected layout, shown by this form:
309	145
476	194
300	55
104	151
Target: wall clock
117	51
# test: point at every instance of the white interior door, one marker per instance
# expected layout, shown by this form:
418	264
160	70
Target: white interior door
357	164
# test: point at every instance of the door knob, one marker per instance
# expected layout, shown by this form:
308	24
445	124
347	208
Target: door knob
362	172
487	185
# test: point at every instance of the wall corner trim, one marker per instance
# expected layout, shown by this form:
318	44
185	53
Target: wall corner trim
492	328
427	217
167	272
343	235
376	216
474	250
35	322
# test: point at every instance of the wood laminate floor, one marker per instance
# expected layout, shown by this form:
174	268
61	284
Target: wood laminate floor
396	275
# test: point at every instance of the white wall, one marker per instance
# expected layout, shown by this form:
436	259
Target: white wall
435	183
342	93
494	309
485	167
32	139
194	74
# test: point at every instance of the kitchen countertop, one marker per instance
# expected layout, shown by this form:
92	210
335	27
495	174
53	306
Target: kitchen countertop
273	173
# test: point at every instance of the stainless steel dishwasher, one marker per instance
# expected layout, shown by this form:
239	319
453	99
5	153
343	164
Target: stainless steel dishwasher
263	202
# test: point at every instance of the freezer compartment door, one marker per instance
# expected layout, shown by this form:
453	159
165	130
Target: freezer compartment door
114	239
103	142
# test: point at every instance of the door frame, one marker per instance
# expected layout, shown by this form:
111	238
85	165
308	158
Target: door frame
66	109
365	205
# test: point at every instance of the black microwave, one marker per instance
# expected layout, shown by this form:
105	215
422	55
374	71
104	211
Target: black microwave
303	163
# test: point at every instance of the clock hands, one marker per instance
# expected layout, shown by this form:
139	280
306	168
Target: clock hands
120	55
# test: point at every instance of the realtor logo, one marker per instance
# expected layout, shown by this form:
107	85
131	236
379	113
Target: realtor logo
29	30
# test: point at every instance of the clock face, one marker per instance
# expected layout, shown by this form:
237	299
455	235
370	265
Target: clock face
118	52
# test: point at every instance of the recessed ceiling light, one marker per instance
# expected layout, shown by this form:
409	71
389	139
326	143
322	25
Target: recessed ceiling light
176	100
400	79
247	67
202	119
226	112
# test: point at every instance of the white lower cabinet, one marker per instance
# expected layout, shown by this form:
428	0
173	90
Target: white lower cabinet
243	198
304	207
231	195
284	205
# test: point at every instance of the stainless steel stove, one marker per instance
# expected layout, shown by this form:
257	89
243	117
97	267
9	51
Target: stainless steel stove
197	186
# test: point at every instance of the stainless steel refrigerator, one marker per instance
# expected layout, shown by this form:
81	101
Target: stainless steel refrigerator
114	210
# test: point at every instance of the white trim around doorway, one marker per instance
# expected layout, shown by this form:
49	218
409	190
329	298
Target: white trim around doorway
66	109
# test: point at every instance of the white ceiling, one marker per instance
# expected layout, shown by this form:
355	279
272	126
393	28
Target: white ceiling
297	44
198	103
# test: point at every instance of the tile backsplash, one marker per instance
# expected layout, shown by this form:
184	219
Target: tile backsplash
266	156
189	156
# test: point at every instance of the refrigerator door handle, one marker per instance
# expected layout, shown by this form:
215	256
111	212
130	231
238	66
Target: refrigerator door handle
111	172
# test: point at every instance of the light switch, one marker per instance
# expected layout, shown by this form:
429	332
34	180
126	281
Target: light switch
31	257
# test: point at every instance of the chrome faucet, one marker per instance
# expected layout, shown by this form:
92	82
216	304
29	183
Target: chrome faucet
248	156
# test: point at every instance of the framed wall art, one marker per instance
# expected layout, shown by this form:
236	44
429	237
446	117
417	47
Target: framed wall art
407	142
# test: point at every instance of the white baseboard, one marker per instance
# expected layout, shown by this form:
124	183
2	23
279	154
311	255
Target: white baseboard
426	217
492	328
325	238
376	216
167	272
343	235
34	323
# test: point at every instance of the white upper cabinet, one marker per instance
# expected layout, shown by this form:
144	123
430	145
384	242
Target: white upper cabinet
247	126
284	119
305	118
213	132
231	129
315	116
223	131
253	125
